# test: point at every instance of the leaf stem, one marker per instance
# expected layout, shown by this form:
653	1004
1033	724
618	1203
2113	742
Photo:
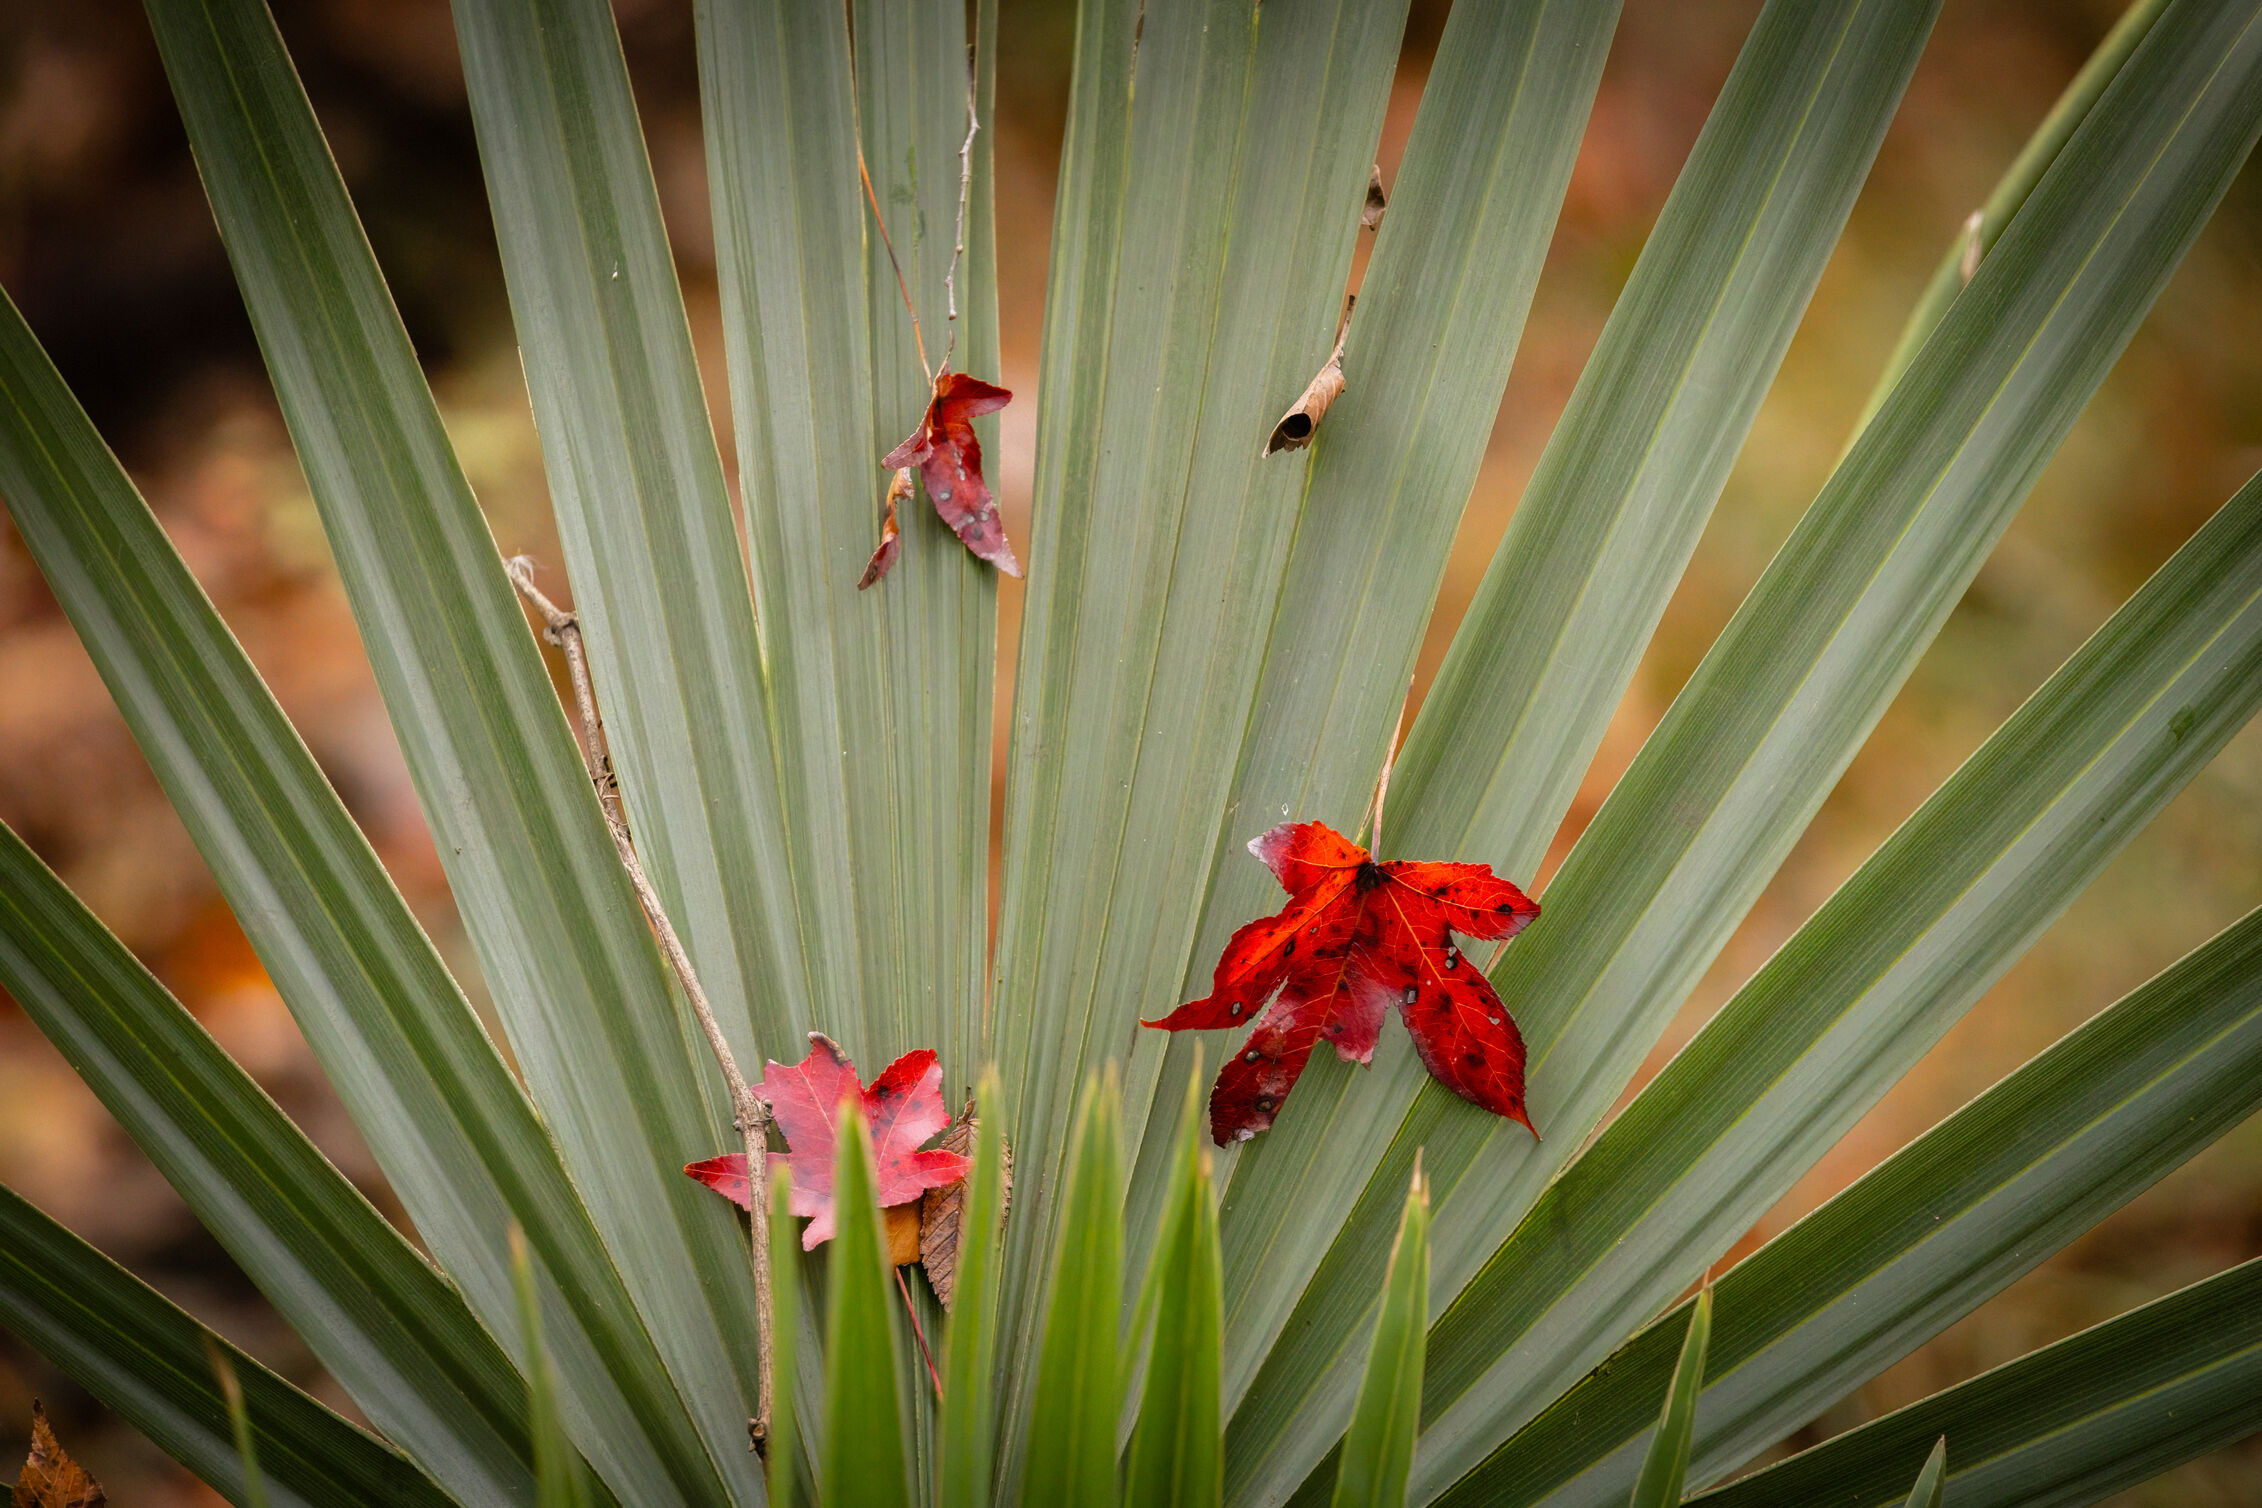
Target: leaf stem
919	1334
873	199
748	1112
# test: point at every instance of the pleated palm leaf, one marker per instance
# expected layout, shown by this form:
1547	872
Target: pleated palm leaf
1213	638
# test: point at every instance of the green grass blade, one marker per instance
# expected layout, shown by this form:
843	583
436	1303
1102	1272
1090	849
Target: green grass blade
1973	242
1926	1236
1160	531
1177	1448
969	1417
2074	1422
637	486
1926	1492
864	1445
1079	1375
146	1360
1440	312
1867	985
1686	842
1590	560
1378	1450
239	1425
557	1470
567	956
388	1328
1667	1464
786	1451
451	1128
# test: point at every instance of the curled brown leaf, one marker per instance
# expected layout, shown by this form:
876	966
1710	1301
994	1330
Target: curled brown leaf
891	531
1297	426
1370	214
51	1478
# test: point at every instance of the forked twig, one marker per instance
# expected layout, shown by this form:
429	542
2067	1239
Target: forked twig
748	1112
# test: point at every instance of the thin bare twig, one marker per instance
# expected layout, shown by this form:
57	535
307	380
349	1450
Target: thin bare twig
748	1112
965	191
1974	229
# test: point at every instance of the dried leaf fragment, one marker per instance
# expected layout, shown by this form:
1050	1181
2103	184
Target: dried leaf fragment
949	458
1296	427
942	1212
51	1478
891	531
1370	214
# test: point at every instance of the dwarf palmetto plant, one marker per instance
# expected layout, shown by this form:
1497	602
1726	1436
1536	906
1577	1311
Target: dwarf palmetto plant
1213	638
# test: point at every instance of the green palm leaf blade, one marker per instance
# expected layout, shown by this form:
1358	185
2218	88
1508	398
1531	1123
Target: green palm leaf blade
969	1418
920	817
148	1361
1925	1237
568	958
1685	843
1667	1464
558	1475
388	1327
1866	987
1158	550
1440	311
777	105
1977	238
1177	1446
637	487
1589	562
1071	1431
786	1448
453	1132
1378	1449
1926	1492
239	1424
864	1445
2070	1423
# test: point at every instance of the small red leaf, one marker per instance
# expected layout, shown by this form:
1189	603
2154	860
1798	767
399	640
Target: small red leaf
1356	938
904	1107
949	459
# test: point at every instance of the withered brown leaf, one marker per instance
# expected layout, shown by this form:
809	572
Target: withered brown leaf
1370	214
891	531
51	1478
942	1212
1296	427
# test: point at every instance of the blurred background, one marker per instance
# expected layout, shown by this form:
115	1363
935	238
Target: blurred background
106	244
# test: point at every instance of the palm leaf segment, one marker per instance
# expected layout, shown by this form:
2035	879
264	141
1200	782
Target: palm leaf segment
1207	634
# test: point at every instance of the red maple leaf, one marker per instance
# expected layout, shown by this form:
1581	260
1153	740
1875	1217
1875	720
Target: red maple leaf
949	459
903	1108
1356	937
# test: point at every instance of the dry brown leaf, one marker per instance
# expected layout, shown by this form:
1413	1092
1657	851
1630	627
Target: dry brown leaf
51	1478
891	531
1370	215
1296	427
942	1212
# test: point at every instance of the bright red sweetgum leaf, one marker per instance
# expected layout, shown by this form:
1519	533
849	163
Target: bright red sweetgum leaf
1357	937
949	459
904	1107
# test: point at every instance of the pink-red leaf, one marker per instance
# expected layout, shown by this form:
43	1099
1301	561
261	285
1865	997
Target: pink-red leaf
949	459
1355	939
903	1107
